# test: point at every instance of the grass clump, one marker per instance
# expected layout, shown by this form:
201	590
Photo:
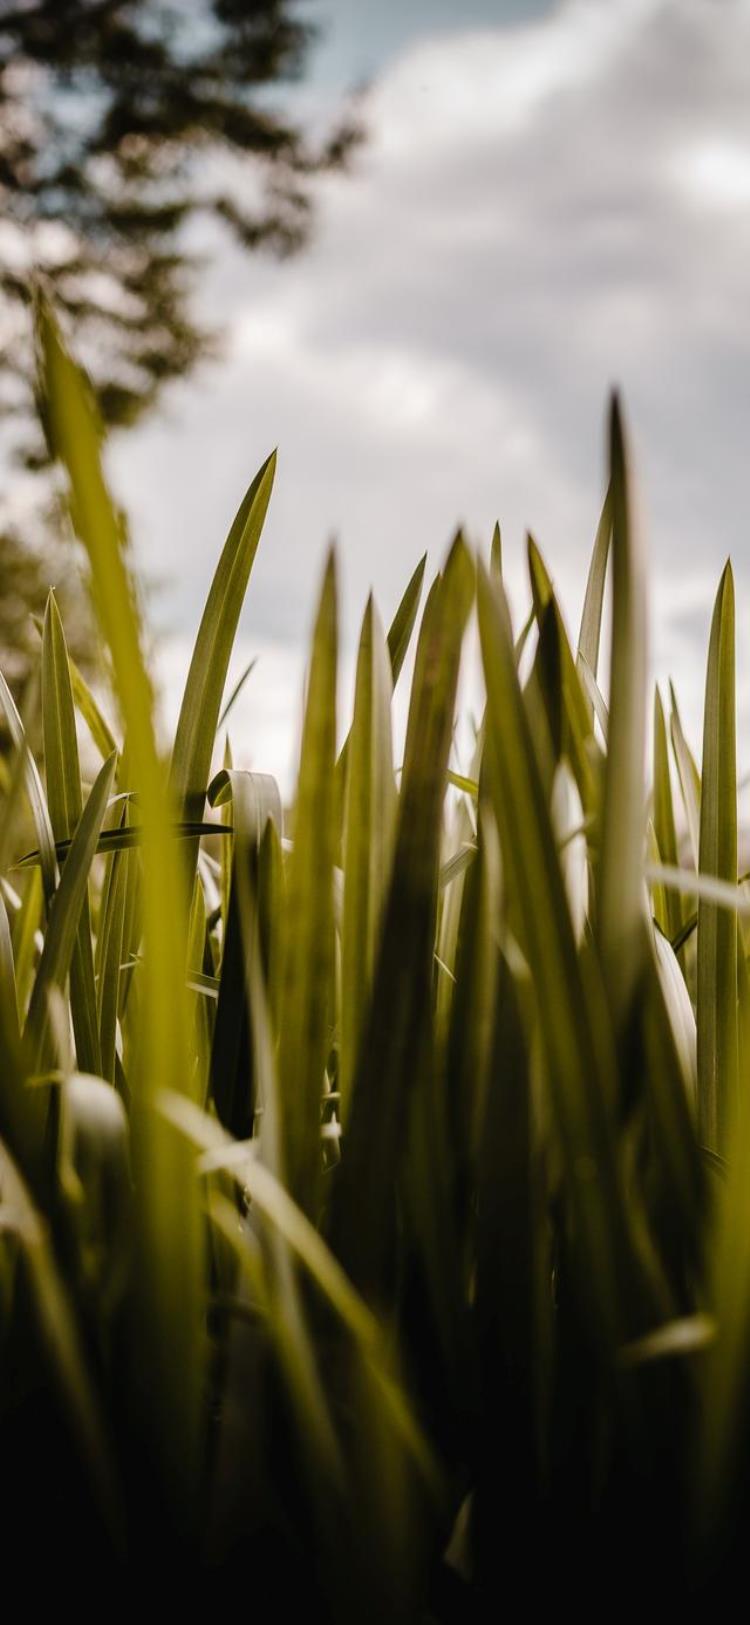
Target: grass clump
375	1201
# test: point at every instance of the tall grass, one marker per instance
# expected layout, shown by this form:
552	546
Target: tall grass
375	1192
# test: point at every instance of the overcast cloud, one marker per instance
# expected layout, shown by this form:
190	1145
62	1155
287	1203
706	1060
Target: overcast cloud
543	208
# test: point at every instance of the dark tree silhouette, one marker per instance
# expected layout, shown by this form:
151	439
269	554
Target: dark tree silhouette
112	116
121	123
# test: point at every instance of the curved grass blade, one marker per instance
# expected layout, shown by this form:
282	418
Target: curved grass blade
368	838
664	823
622	938
577	718
65	805
575	1036
130	835
404	620
8	992
689	777
398	1020
589	636
254	799
65	910
92	714
399	637
718	1061
168	1313
196	727
34	790
306	1010
236	691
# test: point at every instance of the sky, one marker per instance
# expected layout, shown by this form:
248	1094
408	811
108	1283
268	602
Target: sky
552	200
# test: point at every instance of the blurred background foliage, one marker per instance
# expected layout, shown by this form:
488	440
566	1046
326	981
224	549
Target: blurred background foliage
125	127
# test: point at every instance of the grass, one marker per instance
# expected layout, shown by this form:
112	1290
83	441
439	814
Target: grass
375	1192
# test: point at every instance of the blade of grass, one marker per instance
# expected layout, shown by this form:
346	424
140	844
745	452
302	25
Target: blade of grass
65	910
199	713
664	824
308	966
167	1376
394	1030
65	807
621	932
589	636
368	838
718	1070
575	1036
34	790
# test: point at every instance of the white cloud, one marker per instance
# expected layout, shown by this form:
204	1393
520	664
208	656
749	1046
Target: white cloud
540	211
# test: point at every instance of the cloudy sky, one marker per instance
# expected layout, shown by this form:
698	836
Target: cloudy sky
553	198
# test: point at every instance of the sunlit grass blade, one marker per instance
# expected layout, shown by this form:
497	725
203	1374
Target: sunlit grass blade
398	1018
167	1378
664	820
111	939
578	721
64	800
199	713
236	691
34	790
398	640
623	820
403	623
307	977
589	636
575	1037
8	992
718	1078
66	907
368	832
689	777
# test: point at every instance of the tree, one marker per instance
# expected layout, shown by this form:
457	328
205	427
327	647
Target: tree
121	123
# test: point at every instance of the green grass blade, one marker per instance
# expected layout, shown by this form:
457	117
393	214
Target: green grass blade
65	910
111	944
64	801
589	636
236	691
577	717
8	991
307	976
575	1037
368	838
399	637
199	713
254	799
718	1077
623	823
168	1374
403	623
34	790
689	778
92	714
664	821
400	1006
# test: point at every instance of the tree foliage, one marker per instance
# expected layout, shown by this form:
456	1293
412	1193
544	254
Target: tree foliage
124	124
115	116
